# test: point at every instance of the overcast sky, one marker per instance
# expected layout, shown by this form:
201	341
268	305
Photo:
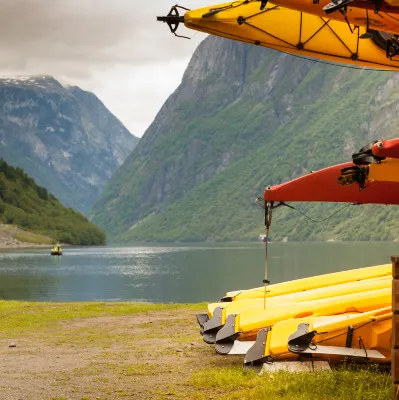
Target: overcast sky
115	48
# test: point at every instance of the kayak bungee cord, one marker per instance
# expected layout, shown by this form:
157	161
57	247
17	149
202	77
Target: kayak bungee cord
344	333
339	65
214	11
320	220
257	201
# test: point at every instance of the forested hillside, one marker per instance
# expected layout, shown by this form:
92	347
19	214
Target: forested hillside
25	204
243	118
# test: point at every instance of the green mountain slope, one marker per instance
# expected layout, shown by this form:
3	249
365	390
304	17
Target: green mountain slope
244	118
31	207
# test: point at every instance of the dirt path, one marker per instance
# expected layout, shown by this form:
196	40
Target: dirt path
143	356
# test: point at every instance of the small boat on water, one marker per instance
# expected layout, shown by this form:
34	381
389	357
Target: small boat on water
56	250
262	238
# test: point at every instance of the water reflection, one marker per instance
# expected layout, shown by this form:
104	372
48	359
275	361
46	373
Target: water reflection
172	273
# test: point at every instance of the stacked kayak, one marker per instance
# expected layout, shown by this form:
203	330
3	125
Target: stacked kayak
332	317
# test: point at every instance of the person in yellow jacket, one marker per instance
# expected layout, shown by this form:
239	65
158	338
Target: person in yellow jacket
56	249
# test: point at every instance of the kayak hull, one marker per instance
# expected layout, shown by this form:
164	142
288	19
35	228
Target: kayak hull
247	324
220	314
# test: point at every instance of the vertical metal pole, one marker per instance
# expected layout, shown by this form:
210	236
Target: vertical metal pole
268	222
395	327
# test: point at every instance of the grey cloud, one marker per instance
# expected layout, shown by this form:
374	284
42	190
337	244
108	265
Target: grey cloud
87	31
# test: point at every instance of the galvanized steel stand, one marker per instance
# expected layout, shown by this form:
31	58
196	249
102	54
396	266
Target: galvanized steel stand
395	327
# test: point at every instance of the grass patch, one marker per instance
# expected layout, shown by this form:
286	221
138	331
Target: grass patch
344	383
30	237
18	317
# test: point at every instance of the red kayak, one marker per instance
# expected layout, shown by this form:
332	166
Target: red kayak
322	186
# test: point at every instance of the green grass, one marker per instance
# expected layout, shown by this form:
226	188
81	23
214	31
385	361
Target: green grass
36	238
344	383
18	317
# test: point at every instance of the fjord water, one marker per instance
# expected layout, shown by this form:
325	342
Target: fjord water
173	274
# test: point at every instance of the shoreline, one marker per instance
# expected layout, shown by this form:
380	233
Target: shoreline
21	245
12	237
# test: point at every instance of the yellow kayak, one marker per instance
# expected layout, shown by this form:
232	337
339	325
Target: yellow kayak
313	282
211	327
247	324
311	294
365	335
301	27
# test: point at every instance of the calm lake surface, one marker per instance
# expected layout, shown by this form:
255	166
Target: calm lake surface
179	273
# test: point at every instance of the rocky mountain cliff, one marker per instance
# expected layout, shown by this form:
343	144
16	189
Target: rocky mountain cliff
245	117
64	137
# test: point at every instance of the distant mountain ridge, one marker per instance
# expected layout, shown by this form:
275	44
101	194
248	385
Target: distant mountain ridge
243	118
63	136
